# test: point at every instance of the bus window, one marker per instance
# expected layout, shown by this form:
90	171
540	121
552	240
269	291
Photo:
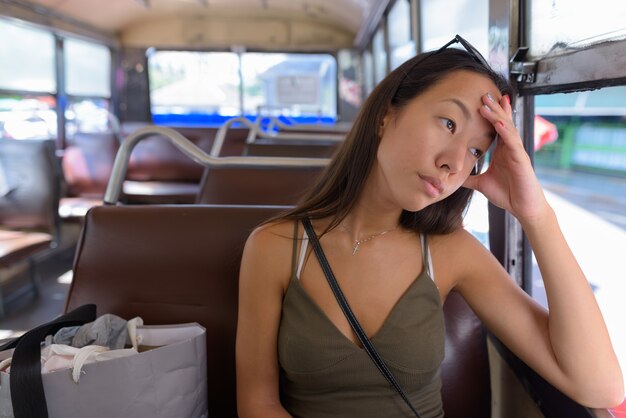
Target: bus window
21	69
193	87
440	20
574	23
206	87
301	86
88	84
379	53
26	115
583	173
87	115
88	69
401	46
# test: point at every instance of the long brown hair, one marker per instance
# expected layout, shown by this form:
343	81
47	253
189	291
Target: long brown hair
339	186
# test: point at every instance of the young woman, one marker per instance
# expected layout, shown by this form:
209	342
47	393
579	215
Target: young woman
388	214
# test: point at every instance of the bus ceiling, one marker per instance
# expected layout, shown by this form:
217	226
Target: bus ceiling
299	25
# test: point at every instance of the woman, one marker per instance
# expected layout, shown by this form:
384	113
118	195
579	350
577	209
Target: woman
388	214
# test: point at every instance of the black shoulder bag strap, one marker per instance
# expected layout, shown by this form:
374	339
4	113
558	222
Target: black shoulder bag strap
347	311
27	394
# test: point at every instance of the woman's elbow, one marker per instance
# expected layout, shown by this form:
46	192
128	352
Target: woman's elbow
609	395
614	397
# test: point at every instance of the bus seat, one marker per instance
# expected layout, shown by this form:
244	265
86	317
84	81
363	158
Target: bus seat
202	135
465	370
256	186
234	142
30	188
259	149
157	159
172	264
159	173
87	163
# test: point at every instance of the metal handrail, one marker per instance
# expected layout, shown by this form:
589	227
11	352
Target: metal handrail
220	136
116	127
341	127
255	132
114	187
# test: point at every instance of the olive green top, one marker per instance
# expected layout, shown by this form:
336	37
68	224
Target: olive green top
324	374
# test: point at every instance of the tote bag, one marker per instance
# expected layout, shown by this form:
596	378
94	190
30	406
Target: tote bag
167	380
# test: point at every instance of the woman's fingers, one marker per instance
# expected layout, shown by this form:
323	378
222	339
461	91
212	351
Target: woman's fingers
505	103
500	114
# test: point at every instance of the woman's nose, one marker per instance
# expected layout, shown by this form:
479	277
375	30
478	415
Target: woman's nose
452	159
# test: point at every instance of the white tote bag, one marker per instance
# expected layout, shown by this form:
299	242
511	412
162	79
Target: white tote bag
167	380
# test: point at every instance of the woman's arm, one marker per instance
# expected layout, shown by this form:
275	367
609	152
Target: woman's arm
263	278
570	345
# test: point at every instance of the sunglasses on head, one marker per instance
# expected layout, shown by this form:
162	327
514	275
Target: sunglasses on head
469	48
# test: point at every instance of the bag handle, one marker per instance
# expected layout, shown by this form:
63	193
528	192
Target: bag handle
354	323
27	394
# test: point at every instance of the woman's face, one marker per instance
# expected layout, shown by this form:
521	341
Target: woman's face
429	147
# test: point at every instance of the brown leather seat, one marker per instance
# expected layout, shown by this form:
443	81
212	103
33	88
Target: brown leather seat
159	173
256	186
30	184
88	162
173	264
260	149
465	370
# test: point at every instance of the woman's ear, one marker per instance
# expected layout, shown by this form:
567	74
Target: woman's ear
384	124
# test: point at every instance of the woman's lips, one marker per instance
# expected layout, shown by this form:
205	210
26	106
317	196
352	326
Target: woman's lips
432	186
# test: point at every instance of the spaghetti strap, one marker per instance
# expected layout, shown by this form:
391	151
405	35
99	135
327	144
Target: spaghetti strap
295	247
303	248
427	260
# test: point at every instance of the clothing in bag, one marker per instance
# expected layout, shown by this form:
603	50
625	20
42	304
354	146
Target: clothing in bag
168	380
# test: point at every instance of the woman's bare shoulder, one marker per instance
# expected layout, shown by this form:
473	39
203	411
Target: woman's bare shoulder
457	254
458	239
278	232
269	249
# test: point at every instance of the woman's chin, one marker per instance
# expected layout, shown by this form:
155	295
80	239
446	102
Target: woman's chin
417	204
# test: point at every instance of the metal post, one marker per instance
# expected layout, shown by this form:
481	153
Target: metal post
61	95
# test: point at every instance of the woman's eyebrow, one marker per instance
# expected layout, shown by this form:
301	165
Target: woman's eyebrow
461	105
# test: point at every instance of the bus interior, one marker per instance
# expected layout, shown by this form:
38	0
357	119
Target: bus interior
142	140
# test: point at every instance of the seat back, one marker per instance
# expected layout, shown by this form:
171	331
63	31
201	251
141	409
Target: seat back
30	180
465	373
256	186
259	149
88	161
172	264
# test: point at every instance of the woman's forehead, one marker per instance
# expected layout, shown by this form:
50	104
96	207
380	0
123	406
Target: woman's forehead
464	82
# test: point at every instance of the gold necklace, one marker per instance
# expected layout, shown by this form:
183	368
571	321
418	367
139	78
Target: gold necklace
358	242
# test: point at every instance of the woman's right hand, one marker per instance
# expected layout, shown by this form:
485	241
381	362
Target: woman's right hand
510	181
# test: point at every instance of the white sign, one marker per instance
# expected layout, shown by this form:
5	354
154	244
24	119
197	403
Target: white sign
297	89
